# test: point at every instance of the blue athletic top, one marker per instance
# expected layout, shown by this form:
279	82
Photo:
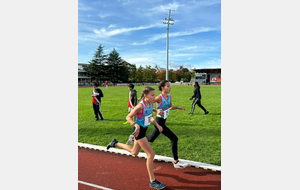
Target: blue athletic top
144	119
164	105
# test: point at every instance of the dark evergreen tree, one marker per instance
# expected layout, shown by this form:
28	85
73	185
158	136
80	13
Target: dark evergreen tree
115	67
132	73
96	69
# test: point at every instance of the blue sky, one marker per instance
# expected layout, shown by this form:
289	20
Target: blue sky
135	29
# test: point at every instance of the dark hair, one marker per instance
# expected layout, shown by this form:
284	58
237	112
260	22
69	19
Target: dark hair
196	83
131	85
162	84
95	84
146	91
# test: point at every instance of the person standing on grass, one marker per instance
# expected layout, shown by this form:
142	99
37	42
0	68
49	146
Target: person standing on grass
143	112
106	84
164	102
97	95
132	101
197	96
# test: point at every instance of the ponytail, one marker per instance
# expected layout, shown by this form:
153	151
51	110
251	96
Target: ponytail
146	91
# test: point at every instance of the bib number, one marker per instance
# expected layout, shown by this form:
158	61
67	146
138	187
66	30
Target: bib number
166	113
147	121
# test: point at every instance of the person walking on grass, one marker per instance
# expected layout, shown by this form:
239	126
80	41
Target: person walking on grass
97	95
164	102
143	112
197	96
106	84
132	101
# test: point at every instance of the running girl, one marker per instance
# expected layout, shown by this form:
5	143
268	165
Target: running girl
143	112
164	102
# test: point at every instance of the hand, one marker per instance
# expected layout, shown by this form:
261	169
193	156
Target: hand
191	98
183	109
160	129
160	112
136	132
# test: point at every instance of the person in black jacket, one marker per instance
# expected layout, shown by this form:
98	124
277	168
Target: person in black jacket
197	96
97	95
132	101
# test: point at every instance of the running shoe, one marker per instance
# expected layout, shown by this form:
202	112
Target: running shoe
206	112
97	120
112	144
156	184
130	139
180	165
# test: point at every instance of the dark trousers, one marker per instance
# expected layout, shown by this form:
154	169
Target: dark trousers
97	110
198	102
167	132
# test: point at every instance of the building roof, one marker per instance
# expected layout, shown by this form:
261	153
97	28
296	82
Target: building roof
211	70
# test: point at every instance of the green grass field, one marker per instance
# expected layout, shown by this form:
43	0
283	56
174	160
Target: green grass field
199	135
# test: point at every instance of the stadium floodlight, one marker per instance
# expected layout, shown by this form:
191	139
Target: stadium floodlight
168	23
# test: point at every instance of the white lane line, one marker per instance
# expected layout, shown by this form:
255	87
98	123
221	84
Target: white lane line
156	157
93	185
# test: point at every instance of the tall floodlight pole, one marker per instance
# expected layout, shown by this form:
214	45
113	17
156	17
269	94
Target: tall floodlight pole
168	23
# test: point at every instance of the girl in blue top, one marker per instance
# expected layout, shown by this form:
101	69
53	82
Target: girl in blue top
143	112
164	102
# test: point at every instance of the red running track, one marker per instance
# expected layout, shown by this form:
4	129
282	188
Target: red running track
103	170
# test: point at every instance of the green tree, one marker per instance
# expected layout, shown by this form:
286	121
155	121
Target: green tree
186	74
172	76
161	75
127	69
139	74
154	75
96	69
147	74
116	67
132	73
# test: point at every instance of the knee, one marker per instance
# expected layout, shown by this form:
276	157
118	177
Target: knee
150	139
174	139
151	155
134	153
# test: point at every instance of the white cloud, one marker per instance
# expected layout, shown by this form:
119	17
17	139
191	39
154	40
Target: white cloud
162	8
103	33
174	65
186	65
206	3
175	34
138	60
187	48
103	15
111	26
213	63
125	2
82	7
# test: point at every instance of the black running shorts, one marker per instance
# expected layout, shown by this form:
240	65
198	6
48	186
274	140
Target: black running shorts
142	133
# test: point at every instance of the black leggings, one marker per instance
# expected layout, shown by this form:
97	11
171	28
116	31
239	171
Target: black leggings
198	102
167	132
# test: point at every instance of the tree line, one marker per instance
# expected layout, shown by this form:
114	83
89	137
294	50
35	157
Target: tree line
112	68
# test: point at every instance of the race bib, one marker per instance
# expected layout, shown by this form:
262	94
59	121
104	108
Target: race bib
147	121
166	113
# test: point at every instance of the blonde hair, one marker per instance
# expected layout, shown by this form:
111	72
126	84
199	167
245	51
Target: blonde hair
146	91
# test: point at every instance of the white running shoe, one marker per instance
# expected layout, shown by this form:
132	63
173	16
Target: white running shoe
130	139
180	165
